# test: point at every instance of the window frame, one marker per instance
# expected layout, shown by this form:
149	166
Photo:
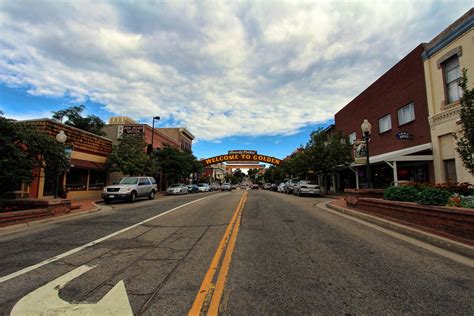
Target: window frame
446	83
412	104
389	115
349	137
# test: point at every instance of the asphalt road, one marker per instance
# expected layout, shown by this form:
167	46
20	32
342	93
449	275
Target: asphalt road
290	257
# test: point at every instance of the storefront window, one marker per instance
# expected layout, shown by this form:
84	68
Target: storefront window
76	179
96	180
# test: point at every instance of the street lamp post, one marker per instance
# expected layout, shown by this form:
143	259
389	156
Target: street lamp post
61	138
366	127
153	131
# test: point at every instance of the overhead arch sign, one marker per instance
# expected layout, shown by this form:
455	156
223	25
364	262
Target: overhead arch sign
241	157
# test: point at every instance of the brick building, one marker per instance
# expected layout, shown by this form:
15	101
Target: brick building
86	176
400	142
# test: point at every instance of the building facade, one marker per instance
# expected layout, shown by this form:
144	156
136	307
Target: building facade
181	136
400	142
444	58
86	176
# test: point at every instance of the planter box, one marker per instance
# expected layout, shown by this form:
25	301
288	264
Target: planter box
38	209
450	222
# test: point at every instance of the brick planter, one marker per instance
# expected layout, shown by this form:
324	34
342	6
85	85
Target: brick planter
450	222
38	209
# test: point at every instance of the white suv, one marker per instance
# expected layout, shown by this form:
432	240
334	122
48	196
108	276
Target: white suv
130	188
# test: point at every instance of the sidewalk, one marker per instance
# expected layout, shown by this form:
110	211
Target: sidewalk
339	205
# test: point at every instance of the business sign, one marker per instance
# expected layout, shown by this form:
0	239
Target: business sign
404	135
137	130
241	157
359	151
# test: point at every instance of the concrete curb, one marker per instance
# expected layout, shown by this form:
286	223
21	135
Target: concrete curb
438	241
23	226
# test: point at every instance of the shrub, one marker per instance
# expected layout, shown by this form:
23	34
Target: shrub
433	196
467	201
401	193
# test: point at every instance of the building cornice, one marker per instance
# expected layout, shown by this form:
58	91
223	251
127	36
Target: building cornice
464	24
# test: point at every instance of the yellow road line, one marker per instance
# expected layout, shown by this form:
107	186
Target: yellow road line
219	288
207	281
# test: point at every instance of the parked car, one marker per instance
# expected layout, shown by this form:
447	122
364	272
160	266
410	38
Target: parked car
177	189
273	187
193	188
130	188
204	187
267	186
226	187
215	186
306	187
281	187
255	186
289	185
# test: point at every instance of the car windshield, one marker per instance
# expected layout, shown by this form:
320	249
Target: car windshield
175	186
307	182
129	180
202	184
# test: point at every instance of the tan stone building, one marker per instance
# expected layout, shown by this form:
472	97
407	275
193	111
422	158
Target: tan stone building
444	58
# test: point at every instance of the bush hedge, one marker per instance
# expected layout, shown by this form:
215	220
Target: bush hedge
433	196
401	193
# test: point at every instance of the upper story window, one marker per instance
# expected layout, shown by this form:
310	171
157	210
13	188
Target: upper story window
452	73
385	123
406	114
352	137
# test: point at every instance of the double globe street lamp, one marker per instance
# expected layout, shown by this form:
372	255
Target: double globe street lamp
366	128
60	138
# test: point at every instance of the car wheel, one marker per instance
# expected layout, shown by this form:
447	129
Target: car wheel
152	195
133	197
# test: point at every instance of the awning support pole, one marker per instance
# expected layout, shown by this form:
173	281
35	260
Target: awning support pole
395	171
356	176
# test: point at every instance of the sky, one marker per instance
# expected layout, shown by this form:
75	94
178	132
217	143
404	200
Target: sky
257	75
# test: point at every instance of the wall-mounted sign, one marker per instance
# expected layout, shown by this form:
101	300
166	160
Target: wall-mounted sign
404	135
241	157
133	130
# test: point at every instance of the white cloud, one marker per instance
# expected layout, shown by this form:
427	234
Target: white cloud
220	68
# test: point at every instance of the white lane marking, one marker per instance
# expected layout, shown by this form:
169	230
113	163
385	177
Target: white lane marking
46	301
92	243
410	240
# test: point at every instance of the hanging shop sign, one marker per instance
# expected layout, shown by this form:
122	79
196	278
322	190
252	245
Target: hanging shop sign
359	151
137	130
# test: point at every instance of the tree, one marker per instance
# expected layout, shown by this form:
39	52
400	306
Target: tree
274	174
130	158
175	164
328	154
238	175
23	149
465	143
252	173
91	123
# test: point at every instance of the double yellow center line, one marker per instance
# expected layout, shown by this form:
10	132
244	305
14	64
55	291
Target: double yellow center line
227	243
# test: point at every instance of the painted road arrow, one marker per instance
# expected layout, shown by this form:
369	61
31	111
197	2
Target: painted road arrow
46	301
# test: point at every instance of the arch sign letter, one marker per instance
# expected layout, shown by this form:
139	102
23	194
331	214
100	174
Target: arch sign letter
241	157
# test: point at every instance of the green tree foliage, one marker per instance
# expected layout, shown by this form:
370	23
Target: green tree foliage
91	123
298	164
465	144
328	154
175	164
252	173
130	158
23	149
238	175
274	174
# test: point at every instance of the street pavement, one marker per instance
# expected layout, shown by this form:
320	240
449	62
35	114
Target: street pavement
290	257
